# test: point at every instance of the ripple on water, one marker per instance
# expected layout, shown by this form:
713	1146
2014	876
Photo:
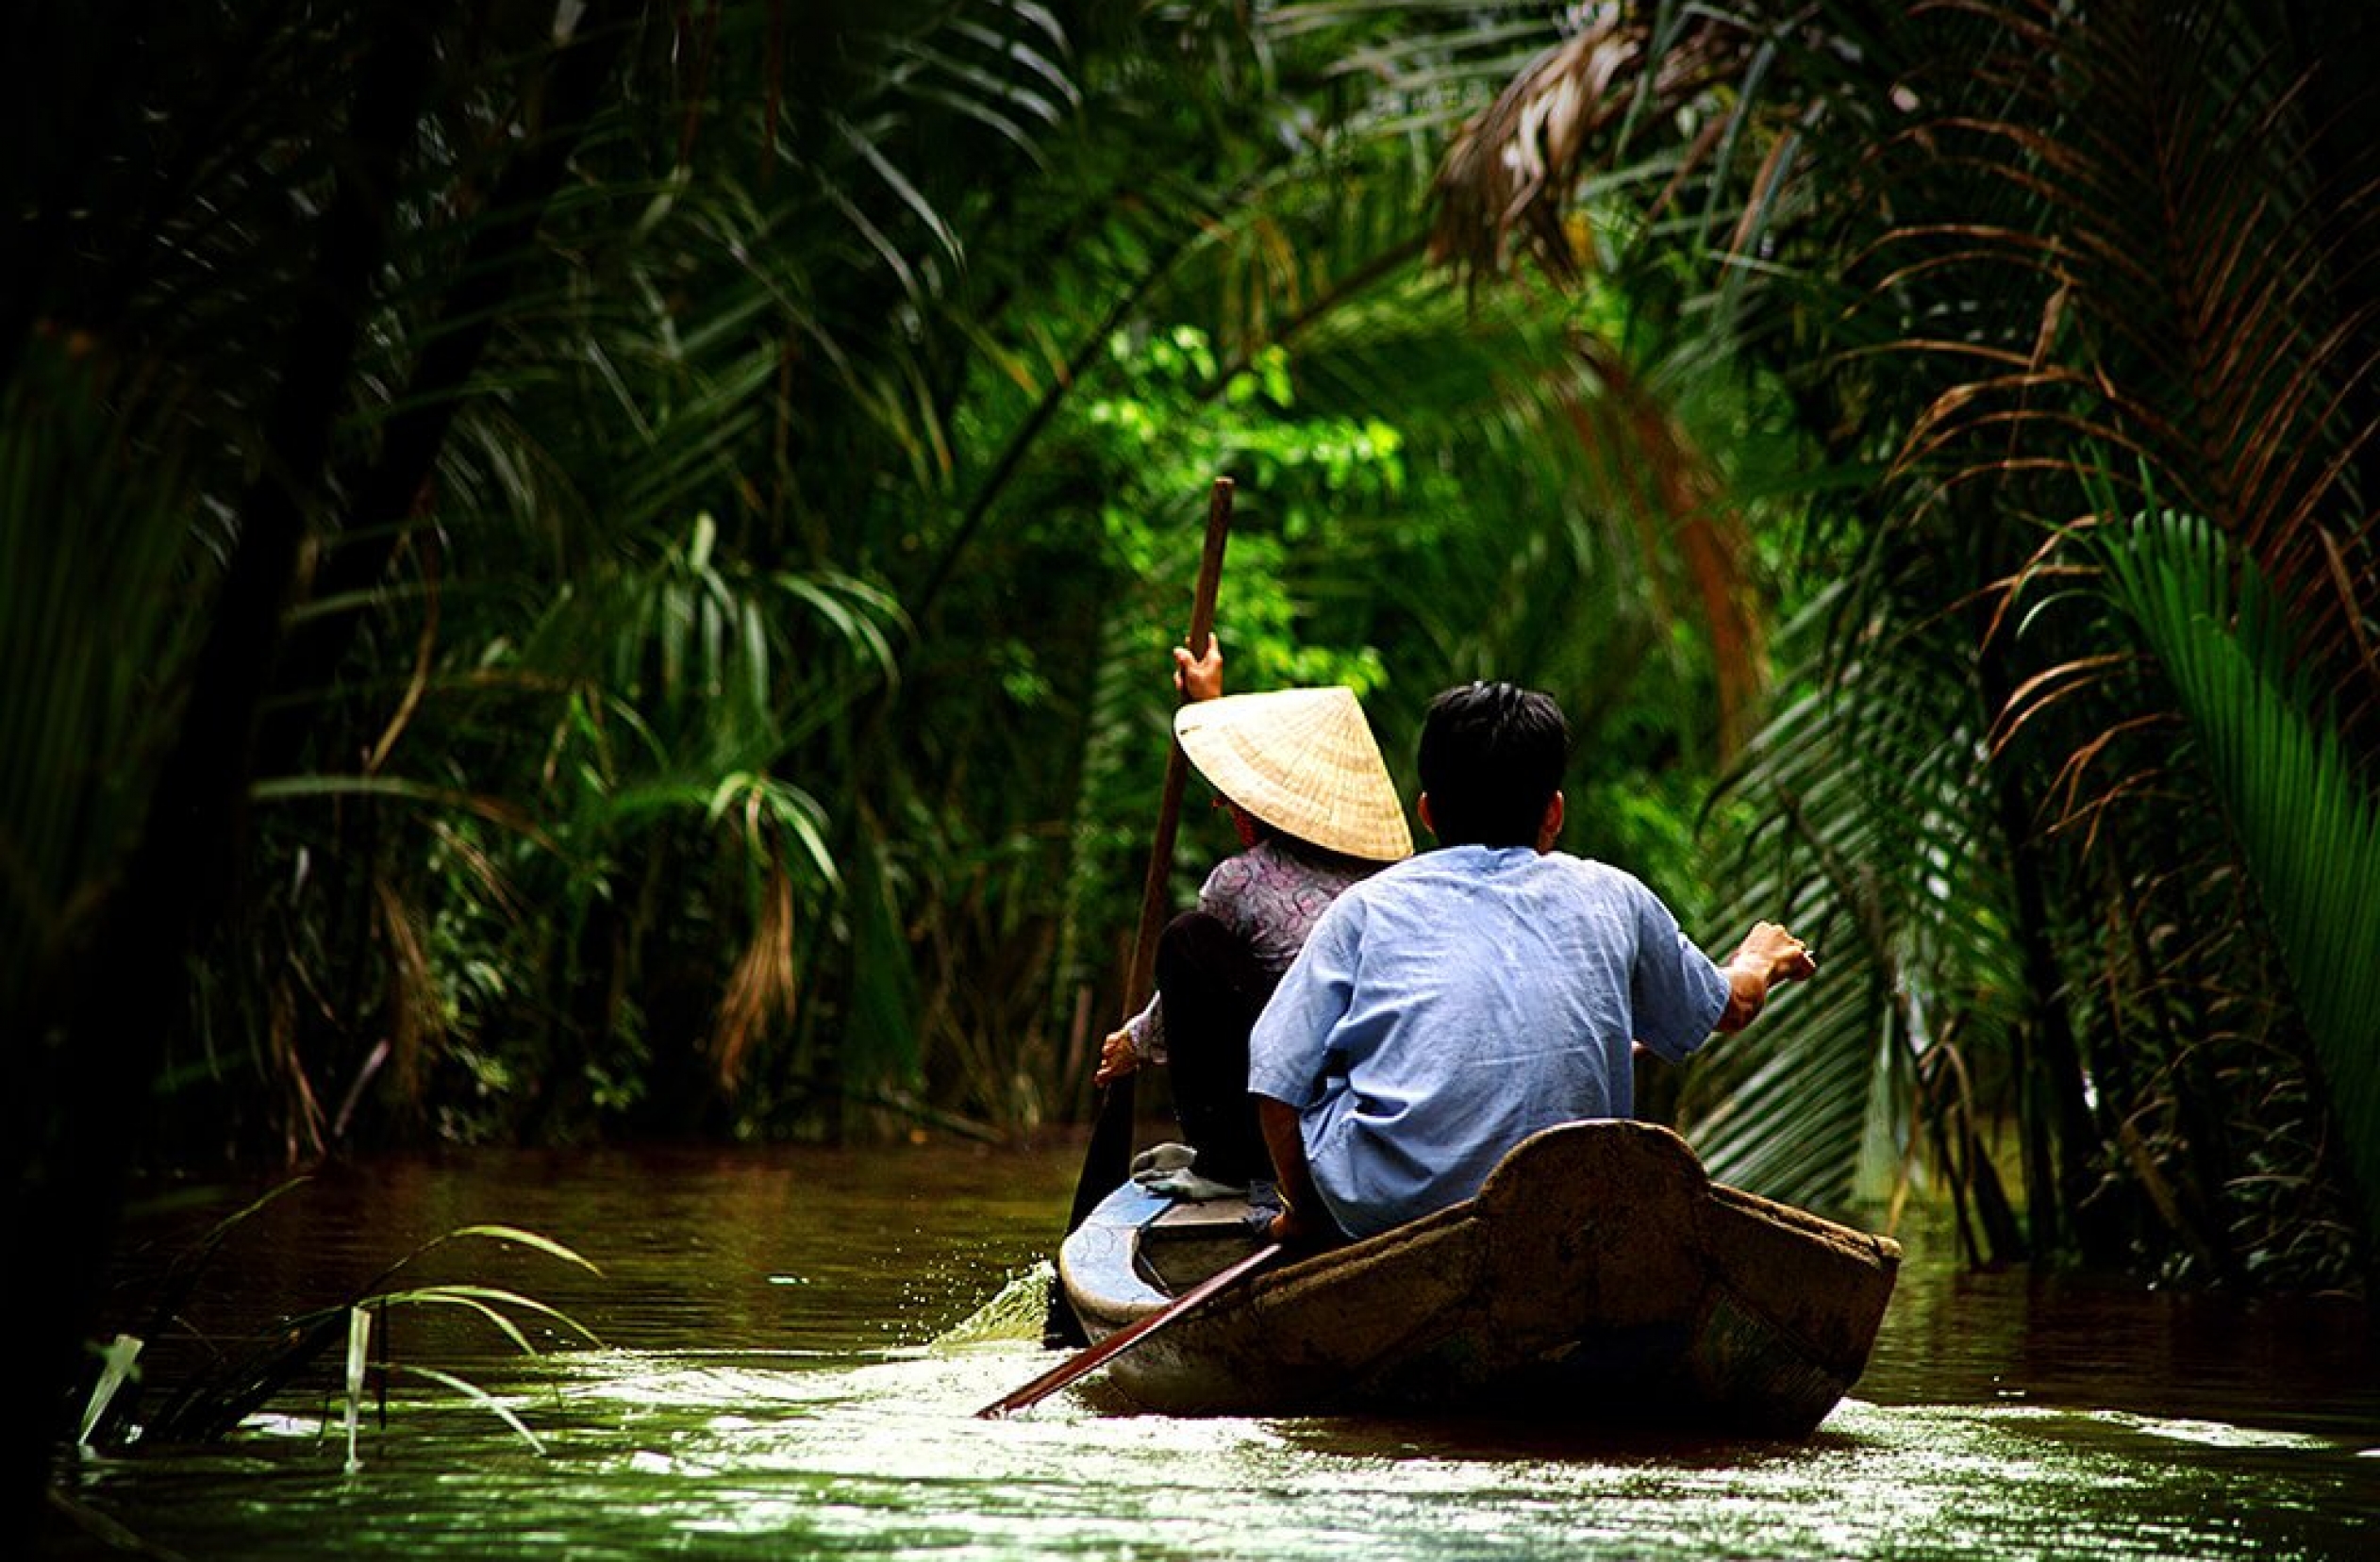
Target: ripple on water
815	1420
801	1456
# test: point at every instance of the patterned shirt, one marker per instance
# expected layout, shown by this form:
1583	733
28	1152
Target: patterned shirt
1270	894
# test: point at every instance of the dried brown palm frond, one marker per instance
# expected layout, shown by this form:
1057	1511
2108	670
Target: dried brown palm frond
2140	238
763	989
1507	181
415	1028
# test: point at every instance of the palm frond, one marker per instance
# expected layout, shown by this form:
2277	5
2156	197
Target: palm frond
2174	274
1866	846
101	575
2297	799
1507	181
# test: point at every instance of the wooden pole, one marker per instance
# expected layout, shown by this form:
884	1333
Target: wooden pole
1141	981
1110	1155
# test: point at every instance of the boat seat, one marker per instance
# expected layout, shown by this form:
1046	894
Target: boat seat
1187	1242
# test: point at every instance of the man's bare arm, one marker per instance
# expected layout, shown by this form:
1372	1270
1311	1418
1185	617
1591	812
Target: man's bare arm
1301	1216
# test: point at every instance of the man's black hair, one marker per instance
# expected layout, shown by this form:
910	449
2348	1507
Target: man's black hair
1492	759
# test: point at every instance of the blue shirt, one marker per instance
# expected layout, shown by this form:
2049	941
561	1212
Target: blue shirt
1458	1001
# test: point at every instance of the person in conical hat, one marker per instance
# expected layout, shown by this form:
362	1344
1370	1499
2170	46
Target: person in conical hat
1315	810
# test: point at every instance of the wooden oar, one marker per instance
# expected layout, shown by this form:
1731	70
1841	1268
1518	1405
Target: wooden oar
1083	1363
1110	1155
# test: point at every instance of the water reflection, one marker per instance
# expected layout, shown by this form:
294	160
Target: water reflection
773	1386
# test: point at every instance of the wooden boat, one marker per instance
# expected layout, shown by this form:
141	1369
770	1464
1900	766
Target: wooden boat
1599	1277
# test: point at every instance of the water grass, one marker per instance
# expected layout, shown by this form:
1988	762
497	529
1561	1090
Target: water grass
215	1401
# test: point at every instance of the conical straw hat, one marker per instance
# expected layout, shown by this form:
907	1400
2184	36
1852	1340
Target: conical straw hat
1303	760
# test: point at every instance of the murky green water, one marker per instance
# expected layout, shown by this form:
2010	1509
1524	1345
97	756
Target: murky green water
784	1373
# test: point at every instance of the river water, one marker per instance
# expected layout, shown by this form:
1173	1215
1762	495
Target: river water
794	1342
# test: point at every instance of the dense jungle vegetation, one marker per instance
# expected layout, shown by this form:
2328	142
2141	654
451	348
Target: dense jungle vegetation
605	569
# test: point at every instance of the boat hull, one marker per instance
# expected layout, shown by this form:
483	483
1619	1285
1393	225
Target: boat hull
1599	1277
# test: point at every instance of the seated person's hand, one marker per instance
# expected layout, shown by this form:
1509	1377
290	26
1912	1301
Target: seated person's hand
1116	1059
1786	957
1199	677
1293	1230
1768	956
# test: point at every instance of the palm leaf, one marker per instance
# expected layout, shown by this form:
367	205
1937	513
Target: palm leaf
2297	800
1866	844
98	569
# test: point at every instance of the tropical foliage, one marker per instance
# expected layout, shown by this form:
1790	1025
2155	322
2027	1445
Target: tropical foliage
1991	249
2300	811
604	569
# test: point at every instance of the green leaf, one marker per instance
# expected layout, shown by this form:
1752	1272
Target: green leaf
477	1395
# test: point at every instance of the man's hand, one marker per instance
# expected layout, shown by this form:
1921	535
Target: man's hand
1116	1059
1291	1229
1768	956
1199	677
1776	954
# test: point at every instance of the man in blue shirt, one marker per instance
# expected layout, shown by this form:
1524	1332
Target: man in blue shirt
1456	1002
